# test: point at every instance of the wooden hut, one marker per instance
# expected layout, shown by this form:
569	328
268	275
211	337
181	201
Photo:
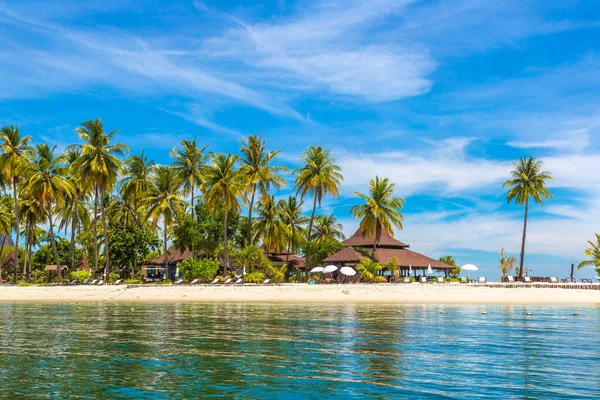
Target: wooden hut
157	265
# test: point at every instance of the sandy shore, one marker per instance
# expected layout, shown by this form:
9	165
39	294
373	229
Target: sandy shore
302	293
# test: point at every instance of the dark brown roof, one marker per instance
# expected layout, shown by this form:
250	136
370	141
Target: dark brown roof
9	260
293	260
406	257
83	264
349	254
174	256
367	241
53	267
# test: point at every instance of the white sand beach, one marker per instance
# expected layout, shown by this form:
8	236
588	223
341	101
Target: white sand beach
302	293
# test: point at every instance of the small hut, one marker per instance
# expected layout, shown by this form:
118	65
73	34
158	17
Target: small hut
82	264
51	268
278	259
173	256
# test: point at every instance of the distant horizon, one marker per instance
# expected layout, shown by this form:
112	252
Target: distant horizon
440	97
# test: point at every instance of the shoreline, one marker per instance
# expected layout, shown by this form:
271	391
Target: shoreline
301	293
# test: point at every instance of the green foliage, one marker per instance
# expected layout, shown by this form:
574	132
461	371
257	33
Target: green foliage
113	276
45	255
448	259
593	251
380	279
250	257
277	275
506	264
81	276
128	246
203	269
317	252
255	277
369	269
135	281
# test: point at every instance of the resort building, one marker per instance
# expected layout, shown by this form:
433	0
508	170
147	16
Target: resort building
283	257
156	267
359	247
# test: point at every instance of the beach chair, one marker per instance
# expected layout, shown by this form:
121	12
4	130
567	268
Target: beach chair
95	281
510	279
526	279
463	279
553	279
422	279
229	280
118	282
238	281
179	281
440	279
267	281
407	280
195	281
216	280
85	282
482	280
73	282
100	283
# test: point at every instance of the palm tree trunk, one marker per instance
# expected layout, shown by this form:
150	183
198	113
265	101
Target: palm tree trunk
95	230
1	250
250	215
15	179
225	256
312	218
165	249
27	226
192	204
377	238
73	228
106	255
58	271
523	240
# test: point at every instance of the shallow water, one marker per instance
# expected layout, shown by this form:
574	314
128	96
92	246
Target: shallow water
249	351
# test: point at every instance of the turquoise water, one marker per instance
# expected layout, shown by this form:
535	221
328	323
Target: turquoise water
298	351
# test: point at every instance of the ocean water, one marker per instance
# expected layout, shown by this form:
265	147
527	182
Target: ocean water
186	351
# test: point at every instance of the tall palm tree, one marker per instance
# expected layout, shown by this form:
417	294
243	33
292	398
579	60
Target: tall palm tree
594	252
269	226
32	215
15	157
319	175
100	164
260	174
223	186
136	181
294	221
6	221
381	210
528	180
163	200
49	185
189	160
327	228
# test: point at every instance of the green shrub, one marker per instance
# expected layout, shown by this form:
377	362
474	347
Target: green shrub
255	277
113	276
203	269
221	279
23	284
132	281
380	279
82	275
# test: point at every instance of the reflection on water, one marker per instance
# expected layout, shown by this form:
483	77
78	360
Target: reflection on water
298	351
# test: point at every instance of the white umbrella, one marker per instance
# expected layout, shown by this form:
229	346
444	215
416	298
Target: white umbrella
329	269
317	269
429	271
348	271
409	269
469	267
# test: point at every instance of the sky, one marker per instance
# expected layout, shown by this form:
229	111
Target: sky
438	96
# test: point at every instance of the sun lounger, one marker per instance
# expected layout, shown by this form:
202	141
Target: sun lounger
73	282
118	282
178	281
553	279
482	280
510	279
94	282
440	279
100	283
216	280
238	281
85	282
527	279
194	281
266	282
463	279
407	280
229	280
422	279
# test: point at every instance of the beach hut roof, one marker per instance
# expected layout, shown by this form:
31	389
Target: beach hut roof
383	256
53	267
83	264
174	256
292	259
9	260
386	240
348	254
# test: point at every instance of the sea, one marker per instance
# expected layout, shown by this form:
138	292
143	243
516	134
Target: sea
298	351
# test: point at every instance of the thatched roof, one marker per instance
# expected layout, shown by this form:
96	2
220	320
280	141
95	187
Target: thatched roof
405	258
83	264
9	260
293	259
53	267
174	256
348	255
357	240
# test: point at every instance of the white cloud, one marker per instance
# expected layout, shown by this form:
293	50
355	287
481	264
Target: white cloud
576	140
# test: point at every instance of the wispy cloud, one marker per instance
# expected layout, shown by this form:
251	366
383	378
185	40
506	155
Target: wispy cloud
570	141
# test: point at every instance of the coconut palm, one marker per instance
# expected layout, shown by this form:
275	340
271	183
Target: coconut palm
100	164
6	221
269	226
528	181
15	157
223	185
49	185
319	176
327	228
594	252
506	264
294	221
32	215
163	200
189	161
136	181
369	269
381	210
260	174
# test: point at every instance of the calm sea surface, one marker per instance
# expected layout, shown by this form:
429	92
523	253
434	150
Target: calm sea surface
250	351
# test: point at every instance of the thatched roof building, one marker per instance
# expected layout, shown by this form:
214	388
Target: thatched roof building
278	259
54	268
83	264
9	260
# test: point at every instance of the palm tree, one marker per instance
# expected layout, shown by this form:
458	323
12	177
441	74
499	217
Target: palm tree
594	252
31	214
320	175
223	185
6	221
506	264
381	210
260	174
189	160
294	221
327	228
49	185
369	269
528	181
269	226
136	181
100	164
163	200
14	159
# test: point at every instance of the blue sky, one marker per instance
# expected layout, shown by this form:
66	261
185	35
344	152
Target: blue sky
439	96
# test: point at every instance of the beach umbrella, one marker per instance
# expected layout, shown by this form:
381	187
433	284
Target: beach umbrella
316	269
429	271
469	267
348	271
329	269
409	269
